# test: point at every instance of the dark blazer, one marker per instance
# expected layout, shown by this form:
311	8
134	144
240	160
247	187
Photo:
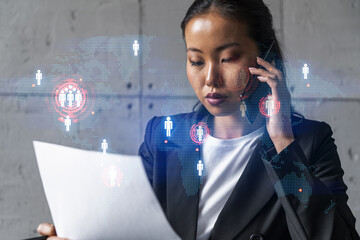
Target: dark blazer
296	194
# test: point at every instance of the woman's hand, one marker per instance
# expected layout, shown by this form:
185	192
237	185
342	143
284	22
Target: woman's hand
278	125
47	229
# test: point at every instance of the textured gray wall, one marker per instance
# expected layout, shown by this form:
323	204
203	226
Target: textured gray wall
325	34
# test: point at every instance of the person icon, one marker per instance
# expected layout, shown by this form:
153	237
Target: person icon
168	126
70	98
242	108
78	98
62	98
200	167
104	146
269	105
305	71
38	77
200	133
136	47
67	123
112	174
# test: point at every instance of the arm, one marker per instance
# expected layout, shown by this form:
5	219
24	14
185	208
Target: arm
313	196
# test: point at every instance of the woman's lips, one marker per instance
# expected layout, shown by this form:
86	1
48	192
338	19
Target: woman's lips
215	98
214	95
215	101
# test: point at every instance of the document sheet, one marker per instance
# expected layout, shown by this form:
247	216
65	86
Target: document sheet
93	195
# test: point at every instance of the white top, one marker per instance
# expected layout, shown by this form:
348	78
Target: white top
224	161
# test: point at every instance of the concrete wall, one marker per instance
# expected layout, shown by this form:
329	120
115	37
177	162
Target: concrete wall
41	33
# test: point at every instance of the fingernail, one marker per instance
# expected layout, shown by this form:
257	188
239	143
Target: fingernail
40	228
261	78
251	68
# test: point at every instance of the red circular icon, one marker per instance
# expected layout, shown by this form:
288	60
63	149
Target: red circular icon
236	78
199	132
269	106
70	97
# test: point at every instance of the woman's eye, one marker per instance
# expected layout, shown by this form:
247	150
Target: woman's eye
230	59
196	63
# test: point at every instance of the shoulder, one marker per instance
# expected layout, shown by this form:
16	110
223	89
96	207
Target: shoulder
180	122
303	126
180	119
173	129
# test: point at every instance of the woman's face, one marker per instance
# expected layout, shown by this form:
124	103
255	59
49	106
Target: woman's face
219	53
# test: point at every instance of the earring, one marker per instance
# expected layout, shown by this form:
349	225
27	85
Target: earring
242	106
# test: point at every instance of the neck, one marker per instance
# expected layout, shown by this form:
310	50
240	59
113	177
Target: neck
234	126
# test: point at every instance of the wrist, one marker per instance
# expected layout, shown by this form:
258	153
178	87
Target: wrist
282	142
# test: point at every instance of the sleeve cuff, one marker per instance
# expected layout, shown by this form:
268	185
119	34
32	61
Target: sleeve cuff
290	158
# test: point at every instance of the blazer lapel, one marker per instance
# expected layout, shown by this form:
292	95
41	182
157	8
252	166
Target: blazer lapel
252	191
182	178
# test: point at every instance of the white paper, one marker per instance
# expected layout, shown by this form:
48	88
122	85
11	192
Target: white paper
86	204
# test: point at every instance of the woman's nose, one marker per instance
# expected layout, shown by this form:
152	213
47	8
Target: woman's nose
213	76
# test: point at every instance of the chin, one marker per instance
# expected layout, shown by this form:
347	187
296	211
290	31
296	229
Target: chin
221	111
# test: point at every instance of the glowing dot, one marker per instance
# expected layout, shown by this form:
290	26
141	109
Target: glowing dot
197	149
300	190
308	85
80	79
33	85
92	112
166	141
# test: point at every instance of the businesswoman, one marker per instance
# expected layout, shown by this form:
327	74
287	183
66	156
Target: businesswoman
261	171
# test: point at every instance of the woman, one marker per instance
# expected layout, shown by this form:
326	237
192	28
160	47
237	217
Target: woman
255	176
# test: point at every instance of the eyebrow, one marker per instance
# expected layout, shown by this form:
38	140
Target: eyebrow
218	49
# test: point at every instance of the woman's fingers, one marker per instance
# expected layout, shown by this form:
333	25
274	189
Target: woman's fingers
264	76
272	76
262	72
271	81
46	229
269	67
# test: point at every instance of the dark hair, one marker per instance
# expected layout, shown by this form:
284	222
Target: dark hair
254	13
